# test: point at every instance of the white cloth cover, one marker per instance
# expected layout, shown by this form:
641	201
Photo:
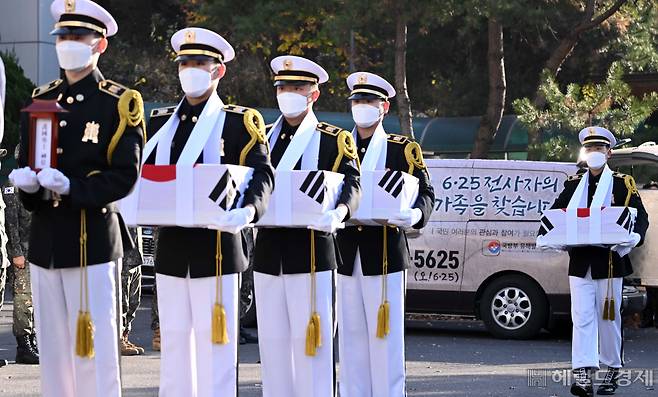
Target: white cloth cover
191	365
301	198
594	339
283	309
602	198
56	295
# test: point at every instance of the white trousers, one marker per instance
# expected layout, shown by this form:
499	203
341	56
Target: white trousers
370	366
595	339
284	309
191	365
56	295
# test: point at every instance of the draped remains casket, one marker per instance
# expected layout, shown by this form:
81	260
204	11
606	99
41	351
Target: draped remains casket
184	195
586	226
385	194
300	198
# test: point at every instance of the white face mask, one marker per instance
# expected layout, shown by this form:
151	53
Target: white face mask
74	55
596	160
291	104
365	115
194	81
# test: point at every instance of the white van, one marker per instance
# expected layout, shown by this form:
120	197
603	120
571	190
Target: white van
477	255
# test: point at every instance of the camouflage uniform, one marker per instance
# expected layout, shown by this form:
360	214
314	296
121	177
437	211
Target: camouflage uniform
4	260
131	284
19	220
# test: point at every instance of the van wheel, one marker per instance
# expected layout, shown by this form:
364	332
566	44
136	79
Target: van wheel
513	307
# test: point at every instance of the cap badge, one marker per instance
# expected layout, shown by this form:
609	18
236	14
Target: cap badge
362	79
287	64
592	131
69	6
190	36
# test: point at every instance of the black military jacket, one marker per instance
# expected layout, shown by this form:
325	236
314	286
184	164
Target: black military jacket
181	249
369	239
581	258
288	250
96	181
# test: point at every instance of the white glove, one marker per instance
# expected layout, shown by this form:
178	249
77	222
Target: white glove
407	218
25	179
234	220
624	249
53	179
331	221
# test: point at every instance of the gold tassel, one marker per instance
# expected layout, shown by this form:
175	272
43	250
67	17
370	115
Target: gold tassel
384	312
609	303
311	337
84	336
611	309
315	318
219	326
383	320
313	333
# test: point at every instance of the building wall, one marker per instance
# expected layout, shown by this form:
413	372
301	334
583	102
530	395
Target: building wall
24	29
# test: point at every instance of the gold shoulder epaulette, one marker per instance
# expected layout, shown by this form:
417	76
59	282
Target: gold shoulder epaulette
414	155
395	138
329	129
575	177
166	111
131	114
112	87
46	88
235	109
255	126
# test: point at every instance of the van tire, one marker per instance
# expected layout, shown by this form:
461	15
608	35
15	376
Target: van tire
529	307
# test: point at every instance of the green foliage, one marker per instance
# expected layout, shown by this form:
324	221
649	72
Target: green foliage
608	104
446	45
18	92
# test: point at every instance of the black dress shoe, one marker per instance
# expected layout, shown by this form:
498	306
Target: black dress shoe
582	387
25	352
609	385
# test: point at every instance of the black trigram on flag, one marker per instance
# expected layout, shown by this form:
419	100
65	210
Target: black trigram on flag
626	220
392	182
313	186
546	226
225	193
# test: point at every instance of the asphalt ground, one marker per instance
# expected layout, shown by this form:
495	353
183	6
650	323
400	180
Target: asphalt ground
454	357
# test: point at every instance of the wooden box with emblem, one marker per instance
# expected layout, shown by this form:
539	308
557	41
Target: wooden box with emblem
586	226
300	198
43	133
385	194
184	195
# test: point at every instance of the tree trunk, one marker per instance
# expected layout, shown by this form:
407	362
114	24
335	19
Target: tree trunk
497	86
404	104
560	54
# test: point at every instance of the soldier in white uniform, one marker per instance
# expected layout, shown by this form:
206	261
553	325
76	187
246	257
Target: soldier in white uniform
596	273
371	277
198	269
294	267
77	234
